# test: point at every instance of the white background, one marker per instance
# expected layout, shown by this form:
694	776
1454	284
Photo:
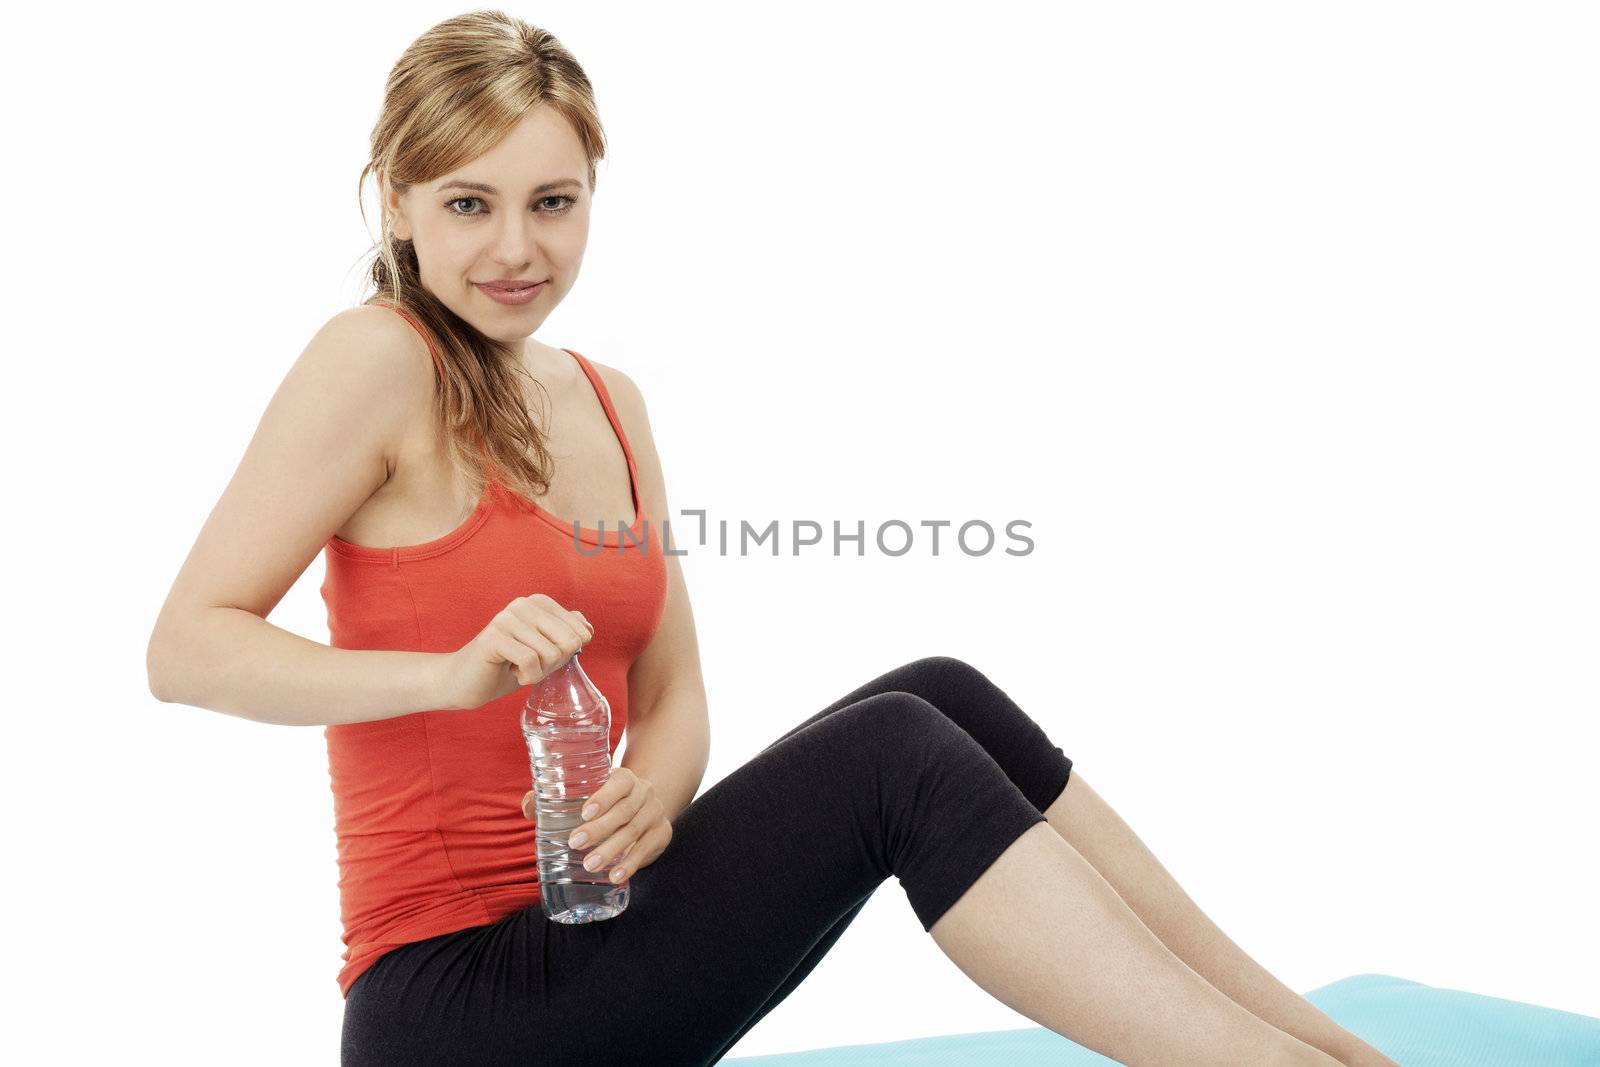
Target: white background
1277	323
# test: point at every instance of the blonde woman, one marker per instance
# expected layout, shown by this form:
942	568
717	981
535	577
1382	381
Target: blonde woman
459	476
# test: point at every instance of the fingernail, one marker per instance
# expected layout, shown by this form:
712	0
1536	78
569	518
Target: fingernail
577	839
616	875
590	811
591	863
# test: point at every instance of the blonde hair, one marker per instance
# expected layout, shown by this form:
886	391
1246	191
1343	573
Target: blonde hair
455	93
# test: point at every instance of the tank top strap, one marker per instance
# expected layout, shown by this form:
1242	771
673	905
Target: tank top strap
595	381
438	361
616	427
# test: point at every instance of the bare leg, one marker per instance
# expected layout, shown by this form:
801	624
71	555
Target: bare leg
1045	934
1100	836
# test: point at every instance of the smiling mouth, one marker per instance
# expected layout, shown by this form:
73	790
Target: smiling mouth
510	287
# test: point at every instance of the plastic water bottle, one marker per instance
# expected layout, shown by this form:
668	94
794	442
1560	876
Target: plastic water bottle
567	725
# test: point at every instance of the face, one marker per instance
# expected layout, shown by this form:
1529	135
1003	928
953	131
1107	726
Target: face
519	212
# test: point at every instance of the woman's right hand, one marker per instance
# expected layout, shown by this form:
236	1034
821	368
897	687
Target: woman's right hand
525	642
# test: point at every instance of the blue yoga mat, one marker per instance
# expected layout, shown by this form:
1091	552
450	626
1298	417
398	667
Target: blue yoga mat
1414	1024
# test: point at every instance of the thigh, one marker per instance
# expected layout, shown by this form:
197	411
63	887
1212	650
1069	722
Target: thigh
766	869
804	968
1035	764
764	872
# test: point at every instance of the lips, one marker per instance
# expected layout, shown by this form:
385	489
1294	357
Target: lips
501	291
509	286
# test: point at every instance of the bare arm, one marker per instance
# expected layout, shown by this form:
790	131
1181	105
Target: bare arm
241	664
669	725
326	443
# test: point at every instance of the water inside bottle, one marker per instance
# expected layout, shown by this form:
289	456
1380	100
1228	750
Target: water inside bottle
570	763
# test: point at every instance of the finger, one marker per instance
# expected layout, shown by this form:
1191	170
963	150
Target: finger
608	852
589	832
601	815
613	795
601	799
530	808
603	819
628	807
634	792
539	630
560	639
507	650
563	634
552	620
624	864
643	852
527	651
650	846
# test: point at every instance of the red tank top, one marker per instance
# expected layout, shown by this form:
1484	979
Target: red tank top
428	806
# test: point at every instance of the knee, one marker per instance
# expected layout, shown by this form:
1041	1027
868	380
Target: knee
901	720
943	674
901	741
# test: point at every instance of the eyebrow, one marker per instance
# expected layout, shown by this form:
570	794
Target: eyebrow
480	187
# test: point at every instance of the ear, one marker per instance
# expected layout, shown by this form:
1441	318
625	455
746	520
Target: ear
392	209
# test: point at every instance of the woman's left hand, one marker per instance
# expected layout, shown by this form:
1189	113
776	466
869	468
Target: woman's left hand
626	829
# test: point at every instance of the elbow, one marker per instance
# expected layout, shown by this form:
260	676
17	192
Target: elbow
158	683
158	671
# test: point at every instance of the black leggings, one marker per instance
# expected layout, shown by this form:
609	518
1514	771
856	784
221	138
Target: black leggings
928	772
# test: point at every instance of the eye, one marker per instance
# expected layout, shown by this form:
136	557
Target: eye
565	207
570	200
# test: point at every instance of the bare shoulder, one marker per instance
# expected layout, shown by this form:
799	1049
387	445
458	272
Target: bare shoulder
391	342
624	392
628	400
322	448
389	352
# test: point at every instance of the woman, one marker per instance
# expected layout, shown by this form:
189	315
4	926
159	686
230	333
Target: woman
410	415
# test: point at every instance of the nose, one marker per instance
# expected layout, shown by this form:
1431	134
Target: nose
516	240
